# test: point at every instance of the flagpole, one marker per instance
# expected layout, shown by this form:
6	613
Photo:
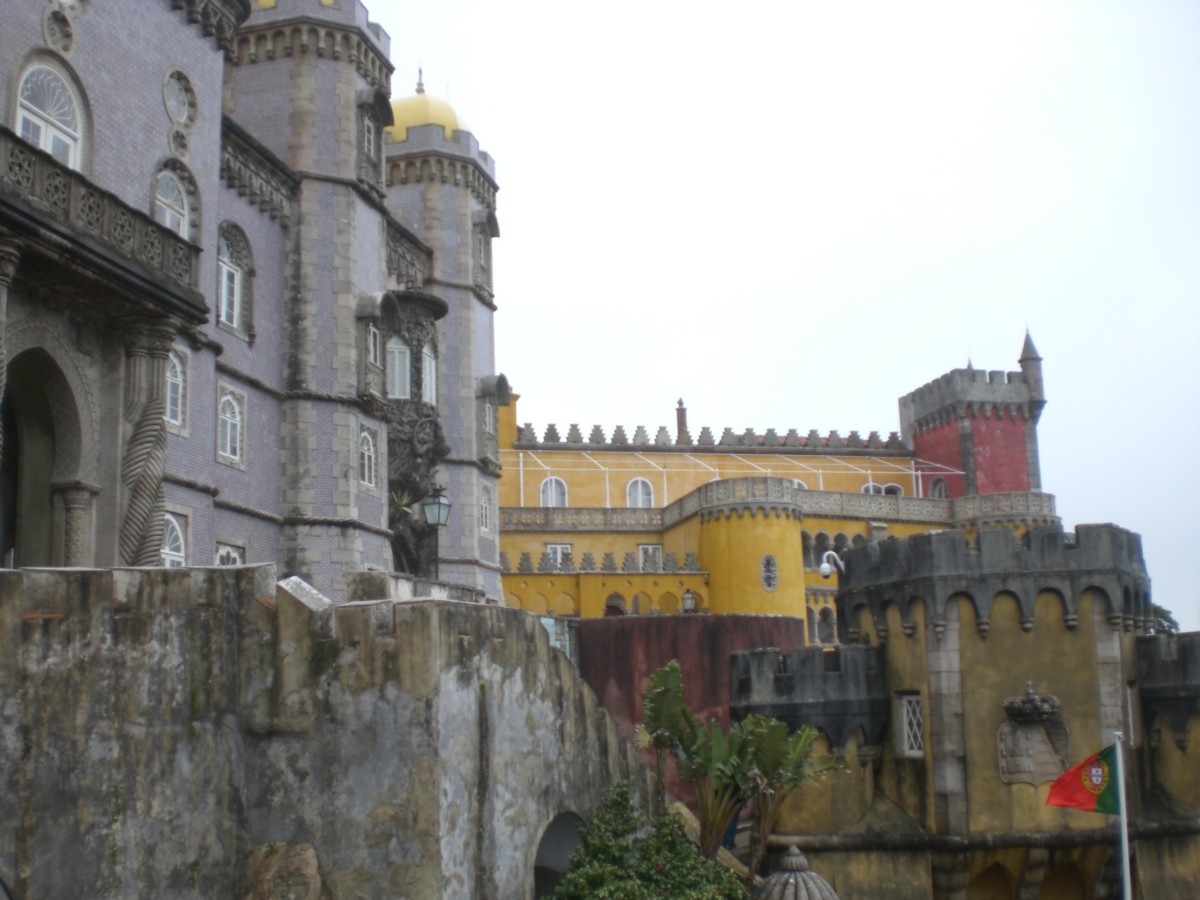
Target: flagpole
1125	876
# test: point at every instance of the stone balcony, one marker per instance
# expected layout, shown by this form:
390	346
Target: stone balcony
77	235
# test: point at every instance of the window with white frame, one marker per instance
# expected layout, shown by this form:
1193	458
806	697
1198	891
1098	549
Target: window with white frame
170	203
560	554
399	368
368	464
175	407
231	417
893	490
650	557
910	726
639	494
229	304
937	489
872	488
229	555
49	115
489	417
554	492
485	509
174	541
429	374
372	344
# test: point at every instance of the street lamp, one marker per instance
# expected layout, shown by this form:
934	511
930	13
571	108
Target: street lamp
436	509
689	601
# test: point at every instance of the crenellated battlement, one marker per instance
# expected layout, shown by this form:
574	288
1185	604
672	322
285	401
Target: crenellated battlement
967	392
747	441
838	689
933	568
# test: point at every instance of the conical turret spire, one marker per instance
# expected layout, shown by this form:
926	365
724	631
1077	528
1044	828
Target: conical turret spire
420	81
1028	351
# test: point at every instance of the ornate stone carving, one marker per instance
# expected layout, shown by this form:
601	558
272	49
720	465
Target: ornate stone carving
255	176
1032	747
58	30
144	460
415	447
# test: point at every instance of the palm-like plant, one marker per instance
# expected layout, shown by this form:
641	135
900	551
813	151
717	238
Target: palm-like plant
664	718
782	761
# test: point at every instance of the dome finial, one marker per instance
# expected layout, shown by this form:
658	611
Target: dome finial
420	81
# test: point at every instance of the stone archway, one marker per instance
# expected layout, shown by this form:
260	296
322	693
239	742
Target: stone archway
41	522
558	842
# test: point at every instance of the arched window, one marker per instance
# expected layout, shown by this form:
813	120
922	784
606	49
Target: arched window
367	460
872	488
554	492
937	489
175	411
229	427
170	203
174	545
398	369
893	490
235	279
48	115
485	509
639	494
428	375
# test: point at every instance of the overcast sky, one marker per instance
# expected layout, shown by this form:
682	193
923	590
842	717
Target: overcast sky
789	214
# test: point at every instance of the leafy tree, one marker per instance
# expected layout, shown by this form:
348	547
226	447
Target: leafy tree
664	717
617	861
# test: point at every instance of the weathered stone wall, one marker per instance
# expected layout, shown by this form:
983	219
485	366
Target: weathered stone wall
156	725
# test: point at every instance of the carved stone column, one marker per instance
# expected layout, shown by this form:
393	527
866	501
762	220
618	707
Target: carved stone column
145	453
10	255
77	506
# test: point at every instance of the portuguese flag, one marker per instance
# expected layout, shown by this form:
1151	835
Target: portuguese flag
1091	785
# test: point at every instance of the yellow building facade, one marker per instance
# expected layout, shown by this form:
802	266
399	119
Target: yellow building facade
628	523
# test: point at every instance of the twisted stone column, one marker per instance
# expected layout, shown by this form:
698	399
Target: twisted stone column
146	449
10	255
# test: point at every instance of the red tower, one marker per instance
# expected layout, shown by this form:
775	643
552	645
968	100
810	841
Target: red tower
983	424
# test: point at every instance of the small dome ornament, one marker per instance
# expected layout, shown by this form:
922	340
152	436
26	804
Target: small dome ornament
794	880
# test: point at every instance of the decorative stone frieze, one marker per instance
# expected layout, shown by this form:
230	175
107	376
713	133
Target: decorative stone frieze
407	258
447	170
218	19
251	170
324	39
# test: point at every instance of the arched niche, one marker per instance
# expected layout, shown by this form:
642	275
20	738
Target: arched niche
558	842
41	462
1064	883
993	883
614	605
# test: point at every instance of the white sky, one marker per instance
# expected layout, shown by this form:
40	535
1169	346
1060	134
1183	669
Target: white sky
791	213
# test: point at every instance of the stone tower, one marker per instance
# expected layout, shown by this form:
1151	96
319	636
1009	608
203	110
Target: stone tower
442	188
311	82
982	423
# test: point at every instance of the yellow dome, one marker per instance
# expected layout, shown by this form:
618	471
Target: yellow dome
422	109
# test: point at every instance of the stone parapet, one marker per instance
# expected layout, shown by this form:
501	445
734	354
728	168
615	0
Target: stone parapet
748	441
181	717
934	567
781	496
835	689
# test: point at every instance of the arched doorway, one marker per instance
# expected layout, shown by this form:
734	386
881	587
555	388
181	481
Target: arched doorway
40	449
558	842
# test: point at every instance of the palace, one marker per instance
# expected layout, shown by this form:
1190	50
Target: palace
629	524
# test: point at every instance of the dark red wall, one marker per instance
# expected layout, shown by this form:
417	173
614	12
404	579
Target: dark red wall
941	445
618	655
1001	460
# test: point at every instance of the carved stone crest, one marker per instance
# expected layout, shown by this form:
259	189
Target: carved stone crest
1032	747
